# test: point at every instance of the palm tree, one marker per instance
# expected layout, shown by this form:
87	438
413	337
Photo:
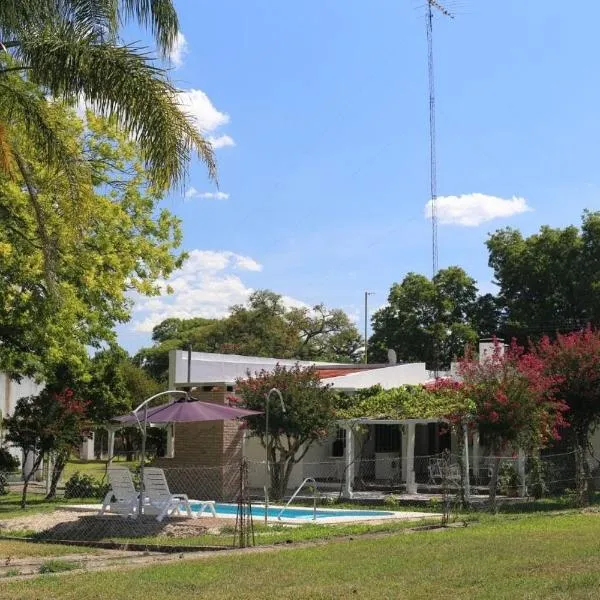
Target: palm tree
71	49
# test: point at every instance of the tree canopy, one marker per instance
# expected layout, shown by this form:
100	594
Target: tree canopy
422	314
68	264
548	281
262	327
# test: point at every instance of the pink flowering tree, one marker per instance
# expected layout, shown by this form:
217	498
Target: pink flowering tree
457	409
574	360
308	416
515	402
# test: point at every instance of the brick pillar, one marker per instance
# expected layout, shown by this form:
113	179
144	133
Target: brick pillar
206	457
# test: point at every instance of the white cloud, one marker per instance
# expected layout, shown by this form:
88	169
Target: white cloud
207	285
205	116
202	111
179	50
192	192
222	141
471	210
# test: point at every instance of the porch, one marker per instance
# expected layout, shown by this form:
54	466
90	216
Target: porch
402	457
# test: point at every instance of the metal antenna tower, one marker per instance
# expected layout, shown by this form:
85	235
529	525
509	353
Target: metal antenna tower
432	6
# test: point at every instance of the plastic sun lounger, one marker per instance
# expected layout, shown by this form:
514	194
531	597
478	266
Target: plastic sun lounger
122	497
160	501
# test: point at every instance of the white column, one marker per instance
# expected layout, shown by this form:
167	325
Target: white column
111	445
411	485
170	452
86	452
476	455
349	466
467	489
521	471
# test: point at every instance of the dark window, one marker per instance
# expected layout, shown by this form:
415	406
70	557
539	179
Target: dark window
230	388
207	388
387	438
339	444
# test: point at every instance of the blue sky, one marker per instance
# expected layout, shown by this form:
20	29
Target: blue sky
320	110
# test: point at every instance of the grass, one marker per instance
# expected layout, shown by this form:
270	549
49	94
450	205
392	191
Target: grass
58	566
540	556
10	549
277	534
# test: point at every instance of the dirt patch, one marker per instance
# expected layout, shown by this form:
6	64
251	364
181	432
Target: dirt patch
66	524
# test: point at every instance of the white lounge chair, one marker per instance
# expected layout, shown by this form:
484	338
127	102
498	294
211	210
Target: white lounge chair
160	501
122	497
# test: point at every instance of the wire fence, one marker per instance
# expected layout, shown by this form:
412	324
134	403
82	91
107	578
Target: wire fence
189	507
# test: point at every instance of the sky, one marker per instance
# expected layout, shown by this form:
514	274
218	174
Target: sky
318	111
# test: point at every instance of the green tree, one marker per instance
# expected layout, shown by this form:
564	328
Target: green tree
309	412
424	314
48	423
72	50
548	281
68	265
262	327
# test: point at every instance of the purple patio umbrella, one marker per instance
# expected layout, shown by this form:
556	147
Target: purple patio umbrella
184	411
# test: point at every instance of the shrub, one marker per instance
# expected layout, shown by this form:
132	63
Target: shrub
85	486
8	463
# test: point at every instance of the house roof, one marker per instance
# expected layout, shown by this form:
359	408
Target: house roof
208	367
387	377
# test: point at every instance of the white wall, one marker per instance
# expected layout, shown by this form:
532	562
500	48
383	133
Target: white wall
254	451
10	392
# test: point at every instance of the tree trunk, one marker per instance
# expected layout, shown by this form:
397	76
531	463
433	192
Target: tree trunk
60	462
494	480
27	478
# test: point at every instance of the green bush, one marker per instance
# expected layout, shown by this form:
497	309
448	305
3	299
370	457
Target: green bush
85	486
8	463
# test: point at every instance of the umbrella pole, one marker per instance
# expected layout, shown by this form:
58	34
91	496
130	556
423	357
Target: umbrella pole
144	431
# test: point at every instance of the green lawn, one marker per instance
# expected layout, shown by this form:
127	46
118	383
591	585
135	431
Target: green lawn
532	557
16	549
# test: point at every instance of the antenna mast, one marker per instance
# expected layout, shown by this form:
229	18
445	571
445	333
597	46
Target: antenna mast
433	5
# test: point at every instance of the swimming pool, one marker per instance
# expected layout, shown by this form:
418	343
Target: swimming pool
299	514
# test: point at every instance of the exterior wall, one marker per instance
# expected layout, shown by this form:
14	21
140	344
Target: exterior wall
206	455
10	392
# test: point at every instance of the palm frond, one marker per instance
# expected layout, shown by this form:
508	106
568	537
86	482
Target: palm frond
32	111
106	16
120	81
160	15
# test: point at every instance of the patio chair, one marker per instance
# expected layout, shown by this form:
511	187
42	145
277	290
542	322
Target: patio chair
122	497
159	500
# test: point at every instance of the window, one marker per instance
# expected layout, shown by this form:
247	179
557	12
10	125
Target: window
339	444
387	438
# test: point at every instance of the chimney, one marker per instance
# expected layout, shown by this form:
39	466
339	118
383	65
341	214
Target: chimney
487	345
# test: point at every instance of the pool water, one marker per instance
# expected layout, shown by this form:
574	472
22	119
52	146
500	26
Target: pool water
293	513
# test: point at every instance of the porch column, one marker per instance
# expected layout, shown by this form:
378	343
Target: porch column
86	452
409	473
521	471
170	450
476	455
467	490
111	445
349	463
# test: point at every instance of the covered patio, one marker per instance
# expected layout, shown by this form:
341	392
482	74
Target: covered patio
404	455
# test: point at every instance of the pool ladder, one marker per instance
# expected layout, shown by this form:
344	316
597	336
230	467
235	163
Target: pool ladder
315	496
